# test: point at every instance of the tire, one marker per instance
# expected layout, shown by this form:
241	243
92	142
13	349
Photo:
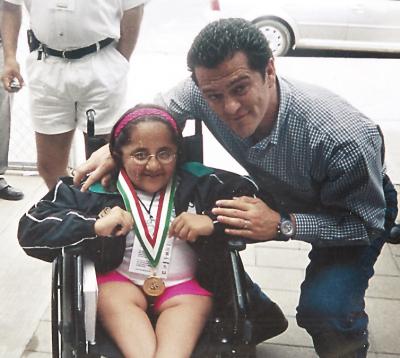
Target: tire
55	314
277	34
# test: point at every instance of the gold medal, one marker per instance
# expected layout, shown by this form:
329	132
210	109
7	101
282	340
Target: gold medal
153	245
153	286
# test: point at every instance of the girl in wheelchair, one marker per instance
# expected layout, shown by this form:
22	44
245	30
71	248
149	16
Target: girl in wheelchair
142	236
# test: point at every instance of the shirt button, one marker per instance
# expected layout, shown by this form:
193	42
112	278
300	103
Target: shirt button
61	34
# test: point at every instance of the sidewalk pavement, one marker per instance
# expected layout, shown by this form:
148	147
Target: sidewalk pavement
278	267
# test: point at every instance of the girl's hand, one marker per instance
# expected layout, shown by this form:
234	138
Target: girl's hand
115	222
190	226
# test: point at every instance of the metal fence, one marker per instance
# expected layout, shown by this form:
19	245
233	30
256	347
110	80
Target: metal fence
22	153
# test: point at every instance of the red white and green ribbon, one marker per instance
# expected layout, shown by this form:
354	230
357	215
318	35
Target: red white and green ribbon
152	244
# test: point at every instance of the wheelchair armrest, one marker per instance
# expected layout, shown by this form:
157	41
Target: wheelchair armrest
90	295
73	250
79	282
237	244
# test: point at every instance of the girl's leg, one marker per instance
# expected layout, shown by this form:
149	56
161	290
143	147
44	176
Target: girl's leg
180	324
122	310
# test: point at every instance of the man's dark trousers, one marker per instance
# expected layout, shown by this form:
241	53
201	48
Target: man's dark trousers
332	306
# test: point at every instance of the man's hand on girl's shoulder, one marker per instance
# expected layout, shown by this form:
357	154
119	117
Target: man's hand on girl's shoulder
97	168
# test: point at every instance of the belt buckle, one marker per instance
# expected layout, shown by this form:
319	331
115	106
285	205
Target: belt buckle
63	54
98	46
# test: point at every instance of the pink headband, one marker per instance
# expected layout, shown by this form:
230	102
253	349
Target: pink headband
131	116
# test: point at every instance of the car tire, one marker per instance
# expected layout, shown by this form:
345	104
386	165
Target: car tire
278	35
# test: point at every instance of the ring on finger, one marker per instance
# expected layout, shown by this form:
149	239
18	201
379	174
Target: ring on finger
246	224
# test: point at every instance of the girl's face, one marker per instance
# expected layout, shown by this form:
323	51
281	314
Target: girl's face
153	139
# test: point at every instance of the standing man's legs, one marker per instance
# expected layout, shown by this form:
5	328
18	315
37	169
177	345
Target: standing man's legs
62	91
52	155
332	306
53	114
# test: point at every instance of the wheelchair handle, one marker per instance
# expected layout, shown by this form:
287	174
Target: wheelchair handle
93	142
90	113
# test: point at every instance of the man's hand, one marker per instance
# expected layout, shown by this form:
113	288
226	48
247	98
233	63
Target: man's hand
248	217
11	72
115	222
189	226
97	167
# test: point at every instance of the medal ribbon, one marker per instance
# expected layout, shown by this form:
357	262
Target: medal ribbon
152	244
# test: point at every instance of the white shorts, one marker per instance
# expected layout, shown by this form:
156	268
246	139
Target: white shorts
61	91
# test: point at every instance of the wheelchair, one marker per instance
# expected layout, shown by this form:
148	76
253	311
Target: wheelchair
76	332
229	332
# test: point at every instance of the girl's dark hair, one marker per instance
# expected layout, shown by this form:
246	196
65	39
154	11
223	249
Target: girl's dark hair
124	135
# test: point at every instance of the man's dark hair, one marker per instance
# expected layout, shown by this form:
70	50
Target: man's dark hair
222	39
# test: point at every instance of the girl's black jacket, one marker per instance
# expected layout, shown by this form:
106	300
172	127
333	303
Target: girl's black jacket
65	217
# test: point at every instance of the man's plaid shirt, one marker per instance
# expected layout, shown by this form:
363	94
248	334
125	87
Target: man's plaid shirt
321	162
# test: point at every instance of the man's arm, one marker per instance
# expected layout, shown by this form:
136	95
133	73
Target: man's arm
352	203
352	197
180	101
10	26
130	27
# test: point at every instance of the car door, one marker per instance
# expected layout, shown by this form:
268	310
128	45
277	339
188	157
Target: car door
318	21
375	25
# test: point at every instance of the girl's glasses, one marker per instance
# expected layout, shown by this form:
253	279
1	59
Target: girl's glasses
163	157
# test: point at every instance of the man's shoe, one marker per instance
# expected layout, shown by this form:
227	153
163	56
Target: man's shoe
10	193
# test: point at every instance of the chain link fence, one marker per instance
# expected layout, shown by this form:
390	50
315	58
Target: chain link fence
22	153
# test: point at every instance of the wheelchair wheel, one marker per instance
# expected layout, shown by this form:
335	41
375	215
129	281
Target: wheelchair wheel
66	309
55	314
61	313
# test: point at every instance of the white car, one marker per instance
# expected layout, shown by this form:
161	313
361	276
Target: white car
356	25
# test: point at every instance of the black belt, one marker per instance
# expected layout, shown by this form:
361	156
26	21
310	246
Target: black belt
35	44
